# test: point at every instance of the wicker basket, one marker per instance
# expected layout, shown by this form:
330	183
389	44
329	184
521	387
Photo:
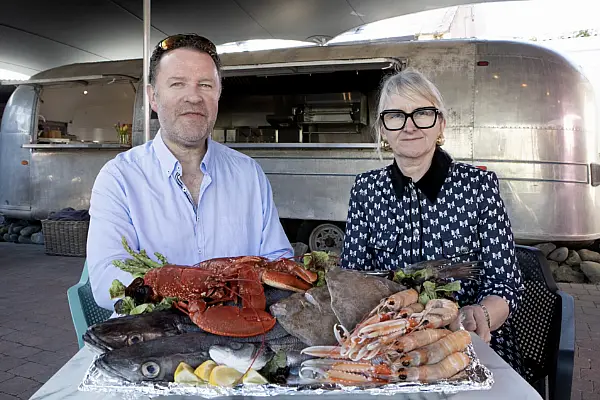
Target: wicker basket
65	238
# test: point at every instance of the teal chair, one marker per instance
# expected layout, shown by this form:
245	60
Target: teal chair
84	310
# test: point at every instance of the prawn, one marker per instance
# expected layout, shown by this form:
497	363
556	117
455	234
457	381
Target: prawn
407	311
437	351
417	339
397	301
349	372
445	369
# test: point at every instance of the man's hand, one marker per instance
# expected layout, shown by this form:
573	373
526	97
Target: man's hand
473	320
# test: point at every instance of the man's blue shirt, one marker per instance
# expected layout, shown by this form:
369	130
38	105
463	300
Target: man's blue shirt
140	195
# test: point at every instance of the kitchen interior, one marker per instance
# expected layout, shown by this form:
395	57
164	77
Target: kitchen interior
86	113
323	107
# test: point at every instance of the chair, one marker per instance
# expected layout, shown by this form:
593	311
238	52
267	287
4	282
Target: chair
545	327
84	310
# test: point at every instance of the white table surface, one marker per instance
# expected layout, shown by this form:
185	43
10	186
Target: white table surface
507	383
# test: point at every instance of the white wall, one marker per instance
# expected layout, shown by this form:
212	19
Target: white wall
90	116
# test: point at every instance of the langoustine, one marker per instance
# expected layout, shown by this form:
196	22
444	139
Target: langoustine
356	372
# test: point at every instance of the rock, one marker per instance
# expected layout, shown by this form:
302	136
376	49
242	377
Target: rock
588	255
15	228
3	229
37	238
29	230
559	255
553	266
566	274
6	237
546	248
13	237
592	271
24	239
573	258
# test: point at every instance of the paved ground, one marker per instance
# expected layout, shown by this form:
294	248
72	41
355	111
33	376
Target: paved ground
36	332
586	374
37	335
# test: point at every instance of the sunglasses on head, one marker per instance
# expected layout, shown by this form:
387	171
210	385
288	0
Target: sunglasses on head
174	41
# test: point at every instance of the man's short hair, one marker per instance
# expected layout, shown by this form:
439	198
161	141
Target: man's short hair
190	41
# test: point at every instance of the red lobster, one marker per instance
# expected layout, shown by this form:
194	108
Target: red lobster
206	284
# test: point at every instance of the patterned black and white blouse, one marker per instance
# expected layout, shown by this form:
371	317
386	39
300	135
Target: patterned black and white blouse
455	211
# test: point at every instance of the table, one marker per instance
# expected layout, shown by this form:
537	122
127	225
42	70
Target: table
507	383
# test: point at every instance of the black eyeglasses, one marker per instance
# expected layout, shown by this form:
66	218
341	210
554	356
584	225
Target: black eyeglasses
175	41
423	118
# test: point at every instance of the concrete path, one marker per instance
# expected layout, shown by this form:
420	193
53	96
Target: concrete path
37	335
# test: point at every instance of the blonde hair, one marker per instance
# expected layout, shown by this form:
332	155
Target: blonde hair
408	83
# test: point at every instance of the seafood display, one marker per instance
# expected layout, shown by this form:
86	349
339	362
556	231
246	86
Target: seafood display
213	329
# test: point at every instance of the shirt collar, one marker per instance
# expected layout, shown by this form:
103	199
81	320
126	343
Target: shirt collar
169	163
431	183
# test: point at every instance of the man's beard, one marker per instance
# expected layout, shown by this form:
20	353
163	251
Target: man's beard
187	133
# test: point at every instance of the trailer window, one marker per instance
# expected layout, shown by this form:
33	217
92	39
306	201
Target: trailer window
72	113
325	104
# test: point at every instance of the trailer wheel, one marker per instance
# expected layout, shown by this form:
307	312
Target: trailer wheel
326	237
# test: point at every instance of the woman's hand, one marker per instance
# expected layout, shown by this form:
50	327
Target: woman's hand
474	319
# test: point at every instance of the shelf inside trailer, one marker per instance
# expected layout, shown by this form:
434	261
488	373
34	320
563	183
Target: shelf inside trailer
76	146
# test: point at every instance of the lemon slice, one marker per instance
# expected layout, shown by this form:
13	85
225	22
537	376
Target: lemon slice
222	375
204	370
185	374
252	377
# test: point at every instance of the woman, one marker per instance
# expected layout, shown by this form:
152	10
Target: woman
425	206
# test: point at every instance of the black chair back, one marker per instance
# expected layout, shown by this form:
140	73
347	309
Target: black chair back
545	326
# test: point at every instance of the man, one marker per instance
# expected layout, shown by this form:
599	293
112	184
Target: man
181	194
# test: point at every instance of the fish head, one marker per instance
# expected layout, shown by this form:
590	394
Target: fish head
244	351
241	355
136	369
154	361
125	331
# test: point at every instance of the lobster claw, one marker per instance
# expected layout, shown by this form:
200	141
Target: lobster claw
230	320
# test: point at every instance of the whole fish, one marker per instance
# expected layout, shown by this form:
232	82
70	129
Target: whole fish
131	329
354	294
308	316
124	331
157	360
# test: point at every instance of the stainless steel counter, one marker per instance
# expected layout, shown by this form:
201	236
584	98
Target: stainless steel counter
54	146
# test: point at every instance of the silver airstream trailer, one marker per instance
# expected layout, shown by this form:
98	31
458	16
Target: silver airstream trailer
304	114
